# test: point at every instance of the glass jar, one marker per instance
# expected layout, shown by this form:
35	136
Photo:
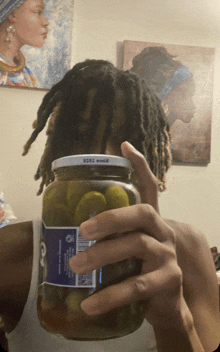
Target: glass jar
84	186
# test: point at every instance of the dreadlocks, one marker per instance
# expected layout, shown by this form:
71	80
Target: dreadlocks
93	104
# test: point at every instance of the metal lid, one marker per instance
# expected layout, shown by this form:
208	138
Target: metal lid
91	159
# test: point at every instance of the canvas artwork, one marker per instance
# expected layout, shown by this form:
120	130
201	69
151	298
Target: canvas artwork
45	56
182	78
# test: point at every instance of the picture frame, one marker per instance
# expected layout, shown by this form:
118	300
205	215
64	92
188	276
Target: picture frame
50	62
190	130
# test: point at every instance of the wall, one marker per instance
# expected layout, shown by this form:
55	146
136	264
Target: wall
100	26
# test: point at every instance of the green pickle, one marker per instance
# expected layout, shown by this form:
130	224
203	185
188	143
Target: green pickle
68	202
58	216
116	197
75	191
91	204
74	299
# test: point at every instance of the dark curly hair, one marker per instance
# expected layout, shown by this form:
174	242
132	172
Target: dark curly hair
93	104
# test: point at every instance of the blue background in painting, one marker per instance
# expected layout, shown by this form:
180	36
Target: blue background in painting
52	61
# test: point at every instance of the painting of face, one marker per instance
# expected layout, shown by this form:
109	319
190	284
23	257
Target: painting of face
30	23
53	59
35	38
180	101
182	78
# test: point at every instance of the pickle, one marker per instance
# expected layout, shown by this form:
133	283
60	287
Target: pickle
54	200
54	194
57	215
54	293
74	299
91	204
75	192
116	197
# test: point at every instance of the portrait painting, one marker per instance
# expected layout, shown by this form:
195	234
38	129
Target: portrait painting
182	78
35	42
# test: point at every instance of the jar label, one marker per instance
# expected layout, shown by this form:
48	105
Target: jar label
57	246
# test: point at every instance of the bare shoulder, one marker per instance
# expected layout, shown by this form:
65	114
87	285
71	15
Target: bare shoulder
16	253
15	238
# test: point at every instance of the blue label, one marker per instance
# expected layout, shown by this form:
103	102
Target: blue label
57	246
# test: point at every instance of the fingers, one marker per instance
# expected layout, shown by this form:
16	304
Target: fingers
111	297
147	182
160	283
139	217
136	245
160	275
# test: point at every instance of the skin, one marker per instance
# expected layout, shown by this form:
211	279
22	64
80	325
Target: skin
180	102
184	315
30	27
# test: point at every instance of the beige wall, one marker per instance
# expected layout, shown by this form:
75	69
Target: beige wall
100	26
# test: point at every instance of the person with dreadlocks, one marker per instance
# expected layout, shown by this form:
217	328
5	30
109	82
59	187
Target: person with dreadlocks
97	108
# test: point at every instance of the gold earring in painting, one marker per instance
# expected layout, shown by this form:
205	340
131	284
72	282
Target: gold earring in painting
166	109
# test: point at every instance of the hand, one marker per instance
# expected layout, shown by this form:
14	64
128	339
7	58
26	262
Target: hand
142	176
143	234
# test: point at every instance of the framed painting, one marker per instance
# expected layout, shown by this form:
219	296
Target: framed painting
182	78
35	39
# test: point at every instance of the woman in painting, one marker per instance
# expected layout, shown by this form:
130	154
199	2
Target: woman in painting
169	79
21	22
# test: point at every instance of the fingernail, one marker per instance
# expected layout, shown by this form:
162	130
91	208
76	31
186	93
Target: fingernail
130	146
88	227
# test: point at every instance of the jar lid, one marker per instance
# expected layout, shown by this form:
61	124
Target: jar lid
91	159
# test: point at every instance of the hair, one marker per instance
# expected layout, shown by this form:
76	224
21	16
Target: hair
94	103
156	66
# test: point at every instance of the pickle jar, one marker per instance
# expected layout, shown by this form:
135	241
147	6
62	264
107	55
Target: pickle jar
84	186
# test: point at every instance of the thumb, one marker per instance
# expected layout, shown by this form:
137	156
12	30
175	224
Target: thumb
146	181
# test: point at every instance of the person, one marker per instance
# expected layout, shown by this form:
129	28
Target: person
169	79
22	22
97	108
